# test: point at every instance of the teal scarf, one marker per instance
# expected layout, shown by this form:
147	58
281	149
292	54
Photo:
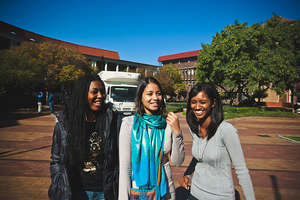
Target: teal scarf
145	151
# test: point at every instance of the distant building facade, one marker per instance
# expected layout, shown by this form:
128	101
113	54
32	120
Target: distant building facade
186	63
103	59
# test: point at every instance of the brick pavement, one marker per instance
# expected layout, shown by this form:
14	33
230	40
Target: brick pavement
273	162
25	146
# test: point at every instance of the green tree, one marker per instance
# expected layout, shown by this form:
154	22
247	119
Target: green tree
171	81
231	61
62	64
249	60
282	53
38	65
20	67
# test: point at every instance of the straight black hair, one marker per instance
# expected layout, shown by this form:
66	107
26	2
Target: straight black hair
138	99
216	112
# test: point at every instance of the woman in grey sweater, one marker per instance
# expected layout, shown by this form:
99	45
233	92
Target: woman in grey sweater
216	146
141	138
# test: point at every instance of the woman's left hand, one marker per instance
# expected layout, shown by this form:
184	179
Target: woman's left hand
173	121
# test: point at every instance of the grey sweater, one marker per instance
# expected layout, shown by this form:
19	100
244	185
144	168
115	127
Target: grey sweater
173	145
212	179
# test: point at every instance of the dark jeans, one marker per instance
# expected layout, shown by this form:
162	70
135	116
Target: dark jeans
191	197
51	106
182	193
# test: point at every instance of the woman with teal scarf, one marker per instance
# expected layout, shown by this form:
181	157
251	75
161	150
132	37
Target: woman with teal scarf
142	136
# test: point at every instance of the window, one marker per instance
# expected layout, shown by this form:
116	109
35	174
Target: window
123	94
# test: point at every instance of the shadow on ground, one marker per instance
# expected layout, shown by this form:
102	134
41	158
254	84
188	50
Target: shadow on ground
11	117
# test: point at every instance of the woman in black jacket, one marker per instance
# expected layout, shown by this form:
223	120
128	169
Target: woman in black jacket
84	155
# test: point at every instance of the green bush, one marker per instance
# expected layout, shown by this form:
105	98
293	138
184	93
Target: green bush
235	111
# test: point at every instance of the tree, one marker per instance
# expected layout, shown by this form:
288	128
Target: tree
248	60
282	51
38	65
20	67
171	81
231	62
62	64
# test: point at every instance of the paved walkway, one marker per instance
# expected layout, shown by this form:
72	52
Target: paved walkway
274	163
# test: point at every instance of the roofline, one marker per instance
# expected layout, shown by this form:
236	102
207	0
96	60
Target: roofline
80	48
187	54
125	62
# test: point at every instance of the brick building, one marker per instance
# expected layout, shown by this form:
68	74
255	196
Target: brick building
103	59
186	63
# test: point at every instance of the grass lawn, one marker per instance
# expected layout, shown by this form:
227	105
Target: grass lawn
176	106
235	111
294	138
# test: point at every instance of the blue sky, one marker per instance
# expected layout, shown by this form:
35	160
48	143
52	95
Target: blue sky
139	30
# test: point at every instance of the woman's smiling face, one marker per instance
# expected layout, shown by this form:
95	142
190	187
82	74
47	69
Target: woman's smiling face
151	98
96	96
200	105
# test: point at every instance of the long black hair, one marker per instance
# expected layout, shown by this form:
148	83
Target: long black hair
216	111
139	95
75	117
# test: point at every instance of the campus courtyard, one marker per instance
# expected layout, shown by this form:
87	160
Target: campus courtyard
273	162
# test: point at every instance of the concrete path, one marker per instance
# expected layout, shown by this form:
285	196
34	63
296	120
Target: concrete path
274	163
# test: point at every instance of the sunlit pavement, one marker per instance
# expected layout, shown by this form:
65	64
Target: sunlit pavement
274	163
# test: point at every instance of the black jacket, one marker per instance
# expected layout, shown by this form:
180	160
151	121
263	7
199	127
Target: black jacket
64	181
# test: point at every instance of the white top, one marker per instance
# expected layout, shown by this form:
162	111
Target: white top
173	145
212	179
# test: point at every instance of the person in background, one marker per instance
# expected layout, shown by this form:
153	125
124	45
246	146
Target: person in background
142	136
39	101
216	146
84	154
51	101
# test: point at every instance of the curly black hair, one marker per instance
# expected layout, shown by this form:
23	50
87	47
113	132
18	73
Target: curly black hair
75	117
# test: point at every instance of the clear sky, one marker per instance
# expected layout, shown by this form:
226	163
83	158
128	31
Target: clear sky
140	30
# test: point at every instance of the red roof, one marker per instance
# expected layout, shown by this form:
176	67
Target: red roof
19	33
179	55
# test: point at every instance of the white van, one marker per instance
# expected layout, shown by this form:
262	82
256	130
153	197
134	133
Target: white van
121	89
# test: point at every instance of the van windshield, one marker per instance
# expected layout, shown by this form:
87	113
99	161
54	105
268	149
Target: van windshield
123	94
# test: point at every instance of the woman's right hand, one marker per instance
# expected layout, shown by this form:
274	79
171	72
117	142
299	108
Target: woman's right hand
173	121
184	182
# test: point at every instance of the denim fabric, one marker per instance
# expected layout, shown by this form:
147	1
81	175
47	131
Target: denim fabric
51	107
95	195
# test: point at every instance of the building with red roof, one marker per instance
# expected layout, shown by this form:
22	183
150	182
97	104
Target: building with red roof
11	35
104	59
186	63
